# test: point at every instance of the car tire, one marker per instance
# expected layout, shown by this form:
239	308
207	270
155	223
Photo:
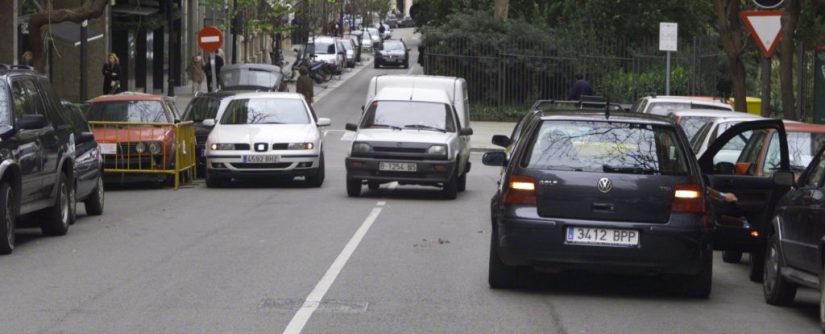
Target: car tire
777	290
353	187
58	217
373	185
94	204
317	179
450	189
499	274
214	181
699	285
731	256
7	225
756	267
375	64
462	182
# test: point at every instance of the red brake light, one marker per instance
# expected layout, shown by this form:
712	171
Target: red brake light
520	190
688	198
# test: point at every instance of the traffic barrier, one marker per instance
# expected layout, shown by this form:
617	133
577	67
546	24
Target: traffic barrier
148	148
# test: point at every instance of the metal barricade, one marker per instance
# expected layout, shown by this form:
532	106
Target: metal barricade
148	149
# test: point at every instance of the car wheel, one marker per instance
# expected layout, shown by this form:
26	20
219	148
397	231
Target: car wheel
375	64
373	185
732	256
756	266
450	190
499	274
7	226
353	187
699	285
462	182
58	217
214	181
318	179
777	290
94	204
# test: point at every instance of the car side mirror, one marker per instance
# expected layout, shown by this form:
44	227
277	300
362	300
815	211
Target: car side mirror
465	131
724	168
351	127
743	168
783	179
209	122
31	122
496	158
323	121
501	140
85	137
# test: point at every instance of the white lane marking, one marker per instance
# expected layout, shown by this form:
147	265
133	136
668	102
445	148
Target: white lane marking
296	325
382	203
348	136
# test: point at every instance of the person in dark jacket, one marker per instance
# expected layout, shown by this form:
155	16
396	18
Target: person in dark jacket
208	69
581	87
111	75
304	85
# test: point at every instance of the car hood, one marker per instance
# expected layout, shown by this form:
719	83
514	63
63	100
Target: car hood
406	135
264	133
133	134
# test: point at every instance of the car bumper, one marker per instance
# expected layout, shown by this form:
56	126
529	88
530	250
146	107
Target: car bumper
428	172
541	244
286	166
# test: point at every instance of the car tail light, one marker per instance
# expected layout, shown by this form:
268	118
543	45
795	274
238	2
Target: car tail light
688	198
520	190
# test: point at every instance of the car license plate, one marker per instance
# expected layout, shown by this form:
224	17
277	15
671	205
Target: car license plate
108	148
260	159
602	236
397	166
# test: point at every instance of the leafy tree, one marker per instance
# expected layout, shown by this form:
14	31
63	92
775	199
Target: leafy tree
49	15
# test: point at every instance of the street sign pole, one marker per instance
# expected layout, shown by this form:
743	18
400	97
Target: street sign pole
766	28
667	77
668	42
210	39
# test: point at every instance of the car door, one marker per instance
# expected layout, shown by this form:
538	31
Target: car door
28	141
802	218
55	136
757	195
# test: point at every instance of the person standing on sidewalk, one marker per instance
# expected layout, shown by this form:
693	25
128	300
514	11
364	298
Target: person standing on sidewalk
111	75
304	85
195	71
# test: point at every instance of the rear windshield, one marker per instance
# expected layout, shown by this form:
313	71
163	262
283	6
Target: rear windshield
249	77
393	45
604	146
128	111
265	111
202	108
664	108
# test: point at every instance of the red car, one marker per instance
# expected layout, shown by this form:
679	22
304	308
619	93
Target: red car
136	133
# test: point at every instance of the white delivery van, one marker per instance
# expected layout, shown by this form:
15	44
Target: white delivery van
413	130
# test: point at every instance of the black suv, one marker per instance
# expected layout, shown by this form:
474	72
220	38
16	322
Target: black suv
37	168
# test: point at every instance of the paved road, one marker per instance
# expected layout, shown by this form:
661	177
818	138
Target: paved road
257	258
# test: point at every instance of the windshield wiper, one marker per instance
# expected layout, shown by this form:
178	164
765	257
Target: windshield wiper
565	168
423	127
385	126
629	169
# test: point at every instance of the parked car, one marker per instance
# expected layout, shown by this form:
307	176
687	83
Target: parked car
708	133
414	130
202	107
691	120
374	35
252	77
329	50
664	105
392	52
265	136
146	144
88	167
407	22
367	44
37	141
349	47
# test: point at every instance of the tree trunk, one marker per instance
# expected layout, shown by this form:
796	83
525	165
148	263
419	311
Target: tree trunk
787	47
90	10
730	35
501	9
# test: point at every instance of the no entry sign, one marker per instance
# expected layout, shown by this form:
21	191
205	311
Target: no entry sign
210	39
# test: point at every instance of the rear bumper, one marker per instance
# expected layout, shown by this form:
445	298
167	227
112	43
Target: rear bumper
541	244
428	172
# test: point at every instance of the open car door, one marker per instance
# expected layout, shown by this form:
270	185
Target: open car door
741	226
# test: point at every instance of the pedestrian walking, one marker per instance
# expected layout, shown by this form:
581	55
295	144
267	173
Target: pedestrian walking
304	85
580	87
27	59
196	74
111	75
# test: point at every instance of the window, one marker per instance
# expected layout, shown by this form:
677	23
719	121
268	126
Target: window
409	114
128	111
603	146
664	108
26	98
817	174
5	104
51	99
692	124
202	108
265	111
249	77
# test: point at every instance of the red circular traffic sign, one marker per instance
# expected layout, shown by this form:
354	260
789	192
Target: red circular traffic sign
210	39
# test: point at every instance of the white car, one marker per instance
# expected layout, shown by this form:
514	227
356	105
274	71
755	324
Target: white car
710	131
366	43
265	136
663	105
691	120
329	50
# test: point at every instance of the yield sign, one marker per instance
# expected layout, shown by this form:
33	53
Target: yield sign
765	27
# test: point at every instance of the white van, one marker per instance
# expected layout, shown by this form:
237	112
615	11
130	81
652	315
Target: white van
413	130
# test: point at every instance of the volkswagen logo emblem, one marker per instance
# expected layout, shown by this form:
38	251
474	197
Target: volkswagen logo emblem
604	185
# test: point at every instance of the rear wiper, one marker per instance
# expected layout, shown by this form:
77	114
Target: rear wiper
423	127
565	168
385	126
629	169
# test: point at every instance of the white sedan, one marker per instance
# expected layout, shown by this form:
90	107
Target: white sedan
265	136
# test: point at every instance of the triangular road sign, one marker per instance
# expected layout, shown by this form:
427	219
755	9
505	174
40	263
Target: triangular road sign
765	27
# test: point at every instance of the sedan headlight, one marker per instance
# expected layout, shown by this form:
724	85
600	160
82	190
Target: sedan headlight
140	147
361	148
154	147
301	146
222	147
437	150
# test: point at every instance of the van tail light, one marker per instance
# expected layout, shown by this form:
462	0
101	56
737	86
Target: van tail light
520	190
688	198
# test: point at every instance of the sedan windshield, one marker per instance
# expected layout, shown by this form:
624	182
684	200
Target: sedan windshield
324	48
409	114
609	147
393	46
128	111
265	111
201	108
